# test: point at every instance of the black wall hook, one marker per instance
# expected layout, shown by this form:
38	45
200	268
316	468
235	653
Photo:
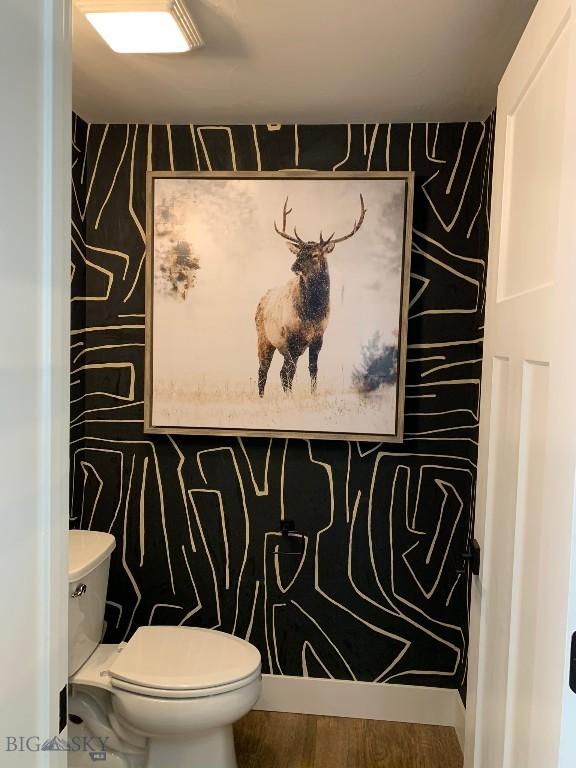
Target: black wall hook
292	542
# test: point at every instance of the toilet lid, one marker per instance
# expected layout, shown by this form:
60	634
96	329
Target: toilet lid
184	658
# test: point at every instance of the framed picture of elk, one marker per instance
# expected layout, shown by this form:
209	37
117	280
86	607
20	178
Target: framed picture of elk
276	303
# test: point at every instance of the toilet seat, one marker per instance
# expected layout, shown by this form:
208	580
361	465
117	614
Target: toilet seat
179	693
183	663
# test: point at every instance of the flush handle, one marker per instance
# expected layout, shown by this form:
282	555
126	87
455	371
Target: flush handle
79	591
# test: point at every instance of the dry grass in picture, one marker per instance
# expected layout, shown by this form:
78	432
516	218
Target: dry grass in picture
329	410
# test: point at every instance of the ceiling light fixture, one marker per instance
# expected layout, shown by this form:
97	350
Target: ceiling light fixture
143	26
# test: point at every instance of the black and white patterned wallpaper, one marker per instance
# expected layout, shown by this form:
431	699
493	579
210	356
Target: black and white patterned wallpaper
376	594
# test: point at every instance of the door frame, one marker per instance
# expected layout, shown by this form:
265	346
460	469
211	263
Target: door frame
36	86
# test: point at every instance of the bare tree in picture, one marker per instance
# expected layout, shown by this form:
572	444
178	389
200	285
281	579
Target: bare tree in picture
294	316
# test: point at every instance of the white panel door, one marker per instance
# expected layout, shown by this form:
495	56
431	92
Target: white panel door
35	143
521	712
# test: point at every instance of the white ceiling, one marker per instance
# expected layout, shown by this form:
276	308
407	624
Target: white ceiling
309	61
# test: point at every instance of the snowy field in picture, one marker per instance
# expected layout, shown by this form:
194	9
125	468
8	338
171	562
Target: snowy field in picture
276	304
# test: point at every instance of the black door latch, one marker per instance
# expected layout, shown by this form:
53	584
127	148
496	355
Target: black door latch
573	663
472	558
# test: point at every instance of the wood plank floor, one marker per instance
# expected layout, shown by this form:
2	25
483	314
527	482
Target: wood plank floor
282	740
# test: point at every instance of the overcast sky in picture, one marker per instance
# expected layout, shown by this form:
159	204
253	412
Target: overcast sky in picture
205	362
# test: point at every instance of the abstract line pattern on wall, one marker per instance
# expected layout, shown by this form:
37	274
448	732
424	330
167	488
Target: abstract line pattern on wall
377	593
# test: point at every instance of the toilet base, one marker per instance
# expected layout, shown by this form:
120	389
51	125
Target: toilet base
213	748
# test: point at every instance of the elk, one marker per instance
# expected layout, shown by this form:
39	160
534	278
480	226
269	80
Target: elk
293	317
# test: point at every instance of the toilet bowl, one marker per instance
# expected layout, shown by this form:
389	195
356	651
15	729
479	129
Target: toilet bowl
167	697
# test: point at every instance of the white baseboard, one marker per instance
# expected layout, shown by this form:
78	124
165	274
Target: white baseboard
371	701
460	720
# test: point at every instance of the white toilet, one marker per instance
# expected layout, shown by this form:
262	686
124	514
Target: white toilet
168	697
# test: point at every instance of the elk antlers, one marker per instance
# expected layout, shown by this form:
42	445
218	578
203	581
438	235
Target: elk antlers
298	240
355	228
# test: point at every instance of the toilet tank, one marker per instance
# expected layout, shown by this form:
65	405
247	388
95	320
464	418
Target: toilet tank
88	565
